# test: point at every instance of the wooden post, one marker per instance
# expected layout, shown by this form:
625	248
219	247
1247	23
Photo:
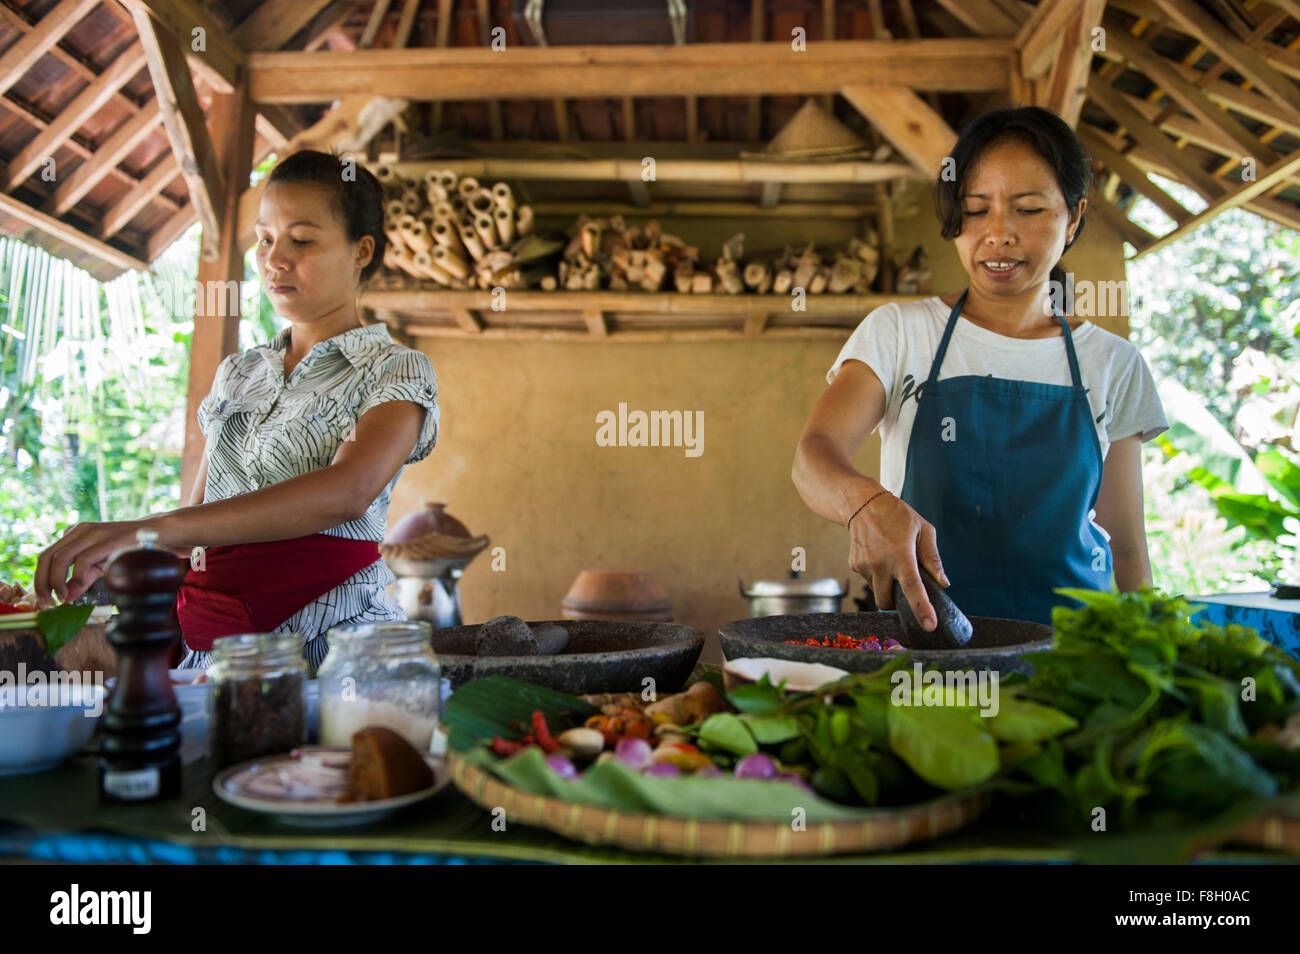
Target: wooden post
230	123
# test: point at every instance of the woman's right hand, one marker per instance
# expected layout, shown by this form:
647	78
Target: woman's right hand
888	541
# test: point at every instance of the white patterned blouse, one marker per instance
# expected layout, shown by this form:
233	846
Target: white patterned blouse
261	429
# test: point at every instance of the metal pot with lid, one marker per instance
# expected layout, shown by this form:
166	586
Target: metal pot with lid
794	596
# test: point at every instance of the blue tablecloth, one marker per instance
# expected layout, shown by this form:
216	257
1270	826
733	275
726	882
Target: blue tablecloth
1278	621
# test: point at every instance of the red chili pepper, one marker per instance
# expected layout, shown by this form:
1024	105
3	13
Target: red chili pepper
11	608
543	733
502	746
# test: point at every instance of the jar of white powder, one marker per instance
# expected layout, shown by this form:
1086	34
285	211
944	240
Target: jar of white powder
380	674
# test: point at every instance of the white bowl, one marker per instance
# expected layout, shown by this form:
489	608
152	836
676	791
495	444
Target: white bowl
37	738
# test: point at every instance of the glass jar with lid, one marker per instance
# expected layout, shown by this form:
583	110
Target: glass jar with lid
257	705
380	674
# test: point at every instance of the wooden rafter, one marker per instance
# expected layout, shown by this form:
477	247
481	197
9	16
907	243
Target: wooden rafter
122	211
982	17
441	40
494	108
1135	177
185	124
1039	38
911	125
1128	230
1250	64
1189	170
115	148
378	12
220	61
273	24
707	69
40	39
72	116
1165	74
1266	180
70	234
1064	88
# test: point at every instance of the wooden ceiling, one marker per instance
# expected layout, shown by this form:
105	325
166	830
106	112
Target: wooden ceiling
1201	91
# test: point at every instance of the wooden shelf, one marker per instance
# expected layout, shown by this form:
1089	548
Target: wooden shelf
620	316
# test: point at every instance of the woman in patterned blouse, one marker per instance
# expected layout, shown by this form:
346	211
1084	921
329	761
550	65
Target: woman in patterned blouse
305	438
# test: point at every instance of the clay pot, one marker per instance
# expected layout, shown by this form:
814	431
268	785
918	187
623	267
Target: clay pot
617	595
432	519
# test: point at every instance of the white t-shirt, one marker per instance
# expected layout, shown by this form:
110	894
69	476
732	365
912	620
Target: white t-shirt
899	341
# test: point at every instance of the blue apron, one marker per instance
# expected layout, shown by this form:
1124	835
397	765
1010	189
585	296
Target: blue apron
1008	471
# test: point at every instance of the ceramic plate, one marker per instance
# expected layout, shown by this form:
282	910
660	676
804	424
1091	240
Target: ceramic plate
300	788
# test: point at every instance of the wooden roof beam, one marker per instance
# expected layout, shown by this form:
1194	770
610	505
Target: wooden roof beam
1275	174
983	17
104	160
1128	230
1189	170
1040	37
1284	213
909	123
185	123
219	63
1184	92
40	39
72	116
273	24
494	107
1064	88
702	69
1242	58
1123	167
70	234
120	213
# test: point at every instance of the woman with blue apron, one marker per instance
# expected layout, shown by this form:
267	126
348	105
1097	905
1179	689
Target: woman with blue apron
985	466
1023	465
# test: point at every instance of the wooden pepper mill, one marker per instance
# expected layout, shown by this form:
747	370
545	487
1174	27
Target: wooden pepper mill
141	739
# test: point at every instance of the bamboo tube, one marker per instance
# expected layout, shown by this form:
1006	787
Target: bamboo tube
818	283
504	195
446	179
487	232
466	187
782	281
447	234
524	219
449	261
395	209
425	263
435	194
457	202
549	283
406	262
411	201
590	234
418	238
395	240
480	203
428	218
756	272
701	283
405	221
444	210
473	244
505	222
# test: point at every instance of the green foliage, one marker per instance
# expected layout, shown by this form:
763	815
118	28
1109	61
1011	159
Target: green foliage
1218	312
1175	717
92	396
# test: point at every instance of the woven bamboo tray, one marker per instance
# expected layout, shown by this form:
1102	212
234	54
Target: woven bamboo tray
884	830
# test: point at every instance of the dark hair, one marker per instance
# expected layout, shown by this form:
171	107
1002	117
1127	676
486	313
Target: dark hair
355	194
1040	129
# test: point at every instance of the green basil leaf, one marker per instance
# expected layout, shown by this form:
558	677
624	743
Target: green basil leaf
727	732
61	623
1018	720
768	730
946	747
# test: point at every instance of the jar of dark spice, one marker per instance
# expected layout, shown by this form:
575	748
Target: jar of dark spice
257	704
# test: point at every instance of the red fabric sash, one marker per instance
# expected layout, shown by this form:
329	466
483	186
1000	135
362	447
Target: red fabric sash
254	587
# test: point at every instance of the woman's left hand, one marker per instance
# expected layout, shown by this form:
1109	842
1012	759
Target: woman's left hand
86	549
